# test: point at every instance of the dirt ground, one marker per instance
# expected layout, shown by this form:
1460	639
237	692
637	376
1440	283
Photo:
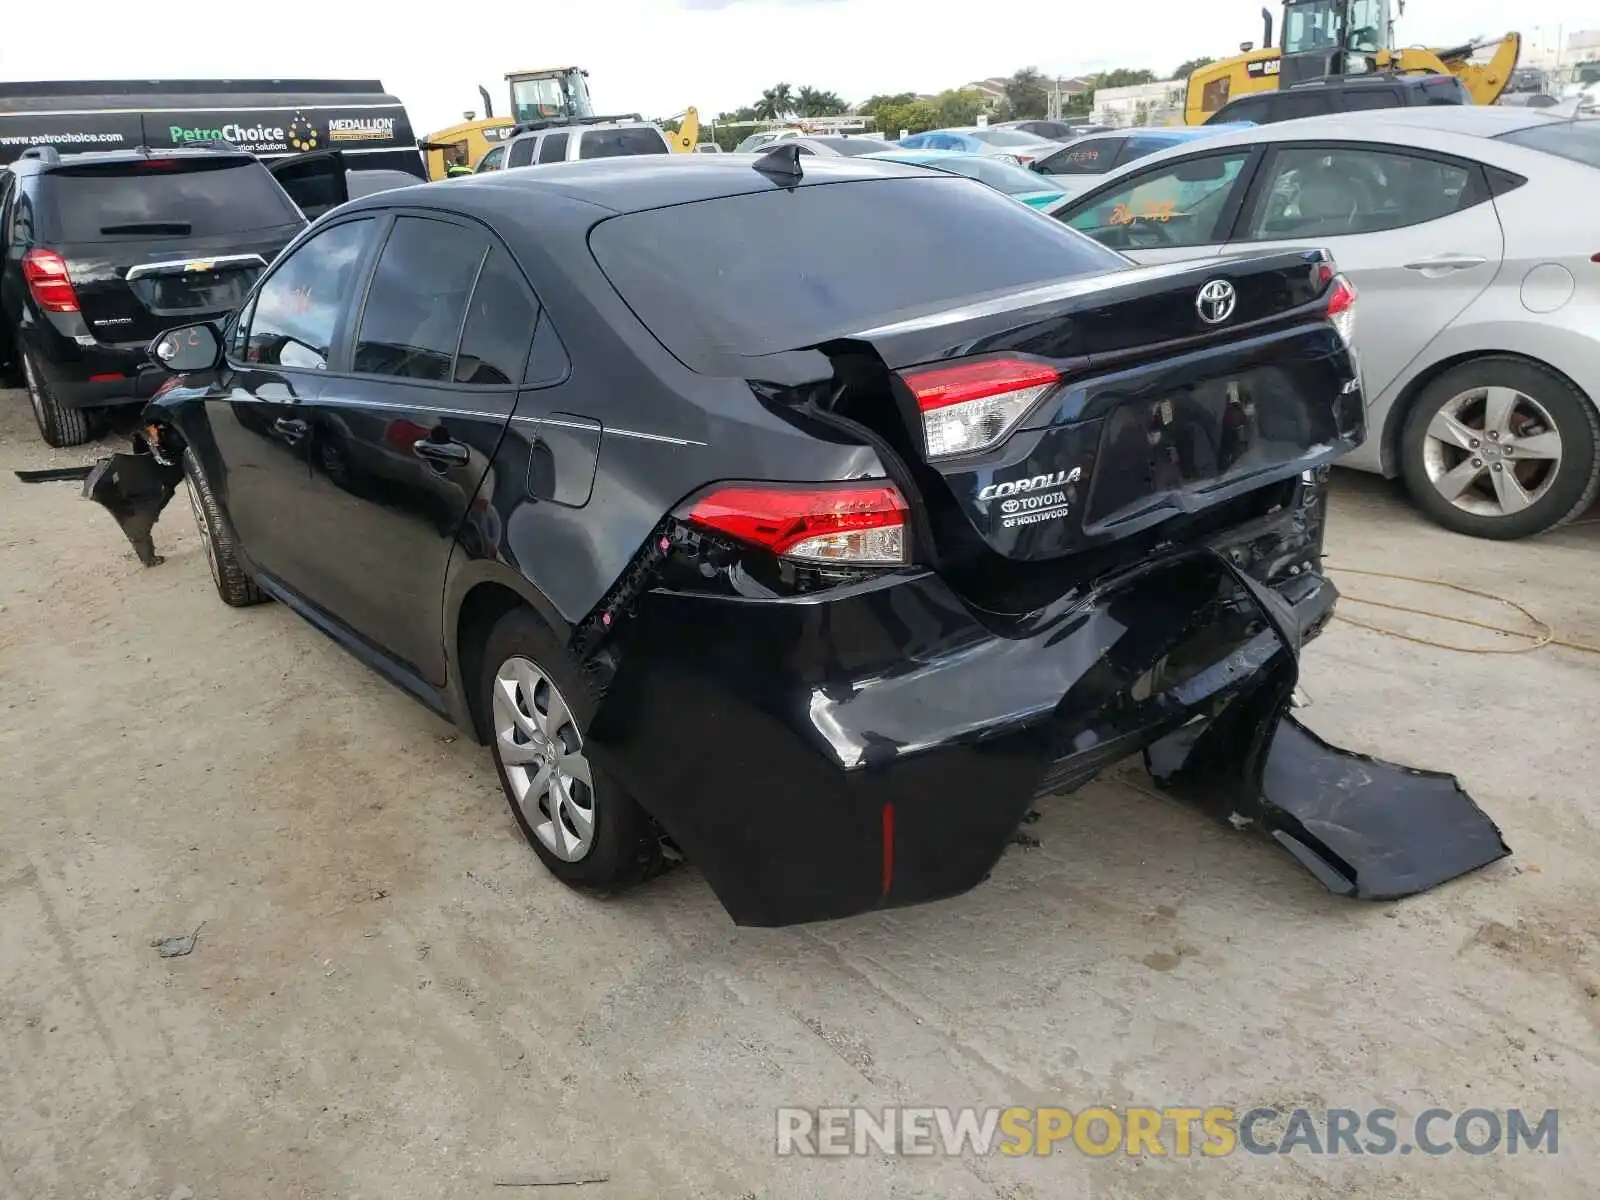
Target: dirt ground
390	998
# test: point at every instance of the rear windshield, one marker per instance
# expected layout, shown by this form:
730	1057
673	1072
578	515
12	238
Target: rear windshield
165	197
619	143
780	270
1577	140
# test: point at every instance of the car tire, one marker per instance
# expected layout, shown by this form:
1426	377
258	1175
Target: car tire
58	425
1518	480
537	706
234	585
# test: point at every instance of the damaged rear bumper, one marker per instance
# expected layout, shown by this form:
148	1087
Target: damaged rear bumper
880	746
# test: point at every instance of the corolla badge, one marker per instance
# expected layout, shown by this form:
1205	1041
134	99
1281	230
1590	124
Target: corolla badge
1017	487
1216	301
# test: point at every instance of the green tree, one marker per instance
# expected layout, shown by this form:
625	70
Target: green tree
917	116
870	106
776	102
1028	94
1124	77
814	102
1189	68
955	107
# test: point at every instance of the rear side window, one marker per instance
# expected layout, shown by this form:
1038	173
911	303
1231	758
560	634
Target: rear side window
1254	109
1445	90
411	322
164	197
1576	140
1291	107
778	270
554	147
1326	191
521	152
619	143
494	344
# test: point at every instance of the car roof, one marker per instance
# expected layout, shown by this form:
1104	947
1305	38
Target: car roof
1377	125
634	183
141	154
1466	120
584	125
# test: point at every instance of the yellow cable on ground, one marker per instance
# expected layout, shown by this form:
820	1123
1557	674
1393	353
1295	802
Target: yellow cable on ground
1543	635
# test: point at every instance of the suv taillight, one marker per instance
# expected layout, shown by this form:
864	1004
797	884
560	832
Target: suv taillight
48	281
974	404
847	524
1342	307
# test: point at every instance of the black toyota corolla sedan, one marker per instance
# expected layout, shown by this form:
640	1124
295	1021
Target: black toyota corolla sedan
808	519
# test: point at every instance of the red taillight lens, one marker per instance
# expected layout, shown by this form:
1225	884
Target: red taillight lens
849	524
1342	307
47	278
972	405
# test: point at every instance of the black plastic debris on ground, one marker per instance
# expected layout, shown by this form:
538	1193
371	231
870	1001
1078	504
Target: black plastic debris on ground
1366	828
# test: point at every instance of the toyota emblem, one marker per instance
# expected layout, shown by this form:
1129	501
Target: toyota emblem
1216	302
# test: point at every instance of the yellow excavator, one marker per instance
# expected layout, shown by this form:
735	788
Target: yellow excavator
551	93
1325	38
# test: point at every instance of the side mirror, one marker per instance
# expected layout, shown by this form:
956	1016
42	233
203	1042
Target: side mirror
187	348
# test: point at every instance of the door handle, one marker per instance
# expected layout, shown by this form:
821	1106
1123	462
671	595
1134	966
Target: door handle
292	428
1445	263
445	454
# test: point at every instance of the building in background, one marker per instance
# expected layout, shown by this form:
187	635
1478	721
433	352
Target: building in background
1159	103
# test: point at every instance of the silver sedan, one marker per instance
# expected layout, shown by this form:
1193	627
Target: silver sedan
1470	236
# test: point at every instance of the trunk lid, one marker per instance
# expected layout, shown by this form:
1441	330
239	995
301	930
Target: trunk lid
1139	396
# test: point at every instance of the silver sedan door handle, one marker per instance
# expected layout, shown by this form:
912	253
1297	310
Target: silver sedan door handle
1445	263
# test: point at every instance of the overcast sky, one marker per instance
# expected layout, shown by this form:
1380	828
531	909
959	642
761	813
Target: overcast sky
660	56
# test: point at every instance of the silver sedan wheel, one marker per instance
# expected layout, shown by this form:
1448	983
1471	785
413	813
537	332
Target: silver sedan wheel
1492	451
204	527
34	398
542	752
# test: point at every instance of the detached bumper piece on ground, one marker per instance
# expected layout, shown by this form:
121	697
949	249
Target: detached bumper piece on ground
134	488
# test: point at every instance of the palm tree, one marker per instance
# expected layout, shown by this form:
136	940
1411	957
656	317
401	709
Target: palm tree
813	102
776	102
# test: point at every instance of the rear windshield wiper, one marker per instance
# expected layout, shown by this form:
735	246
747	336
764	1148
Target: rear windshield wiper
175	227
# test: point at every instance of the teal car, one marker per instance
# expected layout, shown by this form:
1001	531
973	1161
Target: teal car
1032	189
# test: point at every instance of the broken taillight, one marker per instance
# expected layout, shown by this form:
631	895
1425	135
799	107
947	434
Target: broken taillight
46	274
974	404
849	524
1342	307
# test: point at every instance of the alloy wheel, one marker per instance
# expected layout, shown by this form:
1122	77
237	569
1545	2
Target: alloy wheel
541	750
205	529
1492	451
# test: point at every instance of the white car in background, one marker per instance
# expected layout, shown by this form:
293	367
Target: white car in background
1471	236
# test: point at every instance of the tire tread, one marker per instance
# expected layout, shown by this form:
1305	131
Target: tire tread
234	585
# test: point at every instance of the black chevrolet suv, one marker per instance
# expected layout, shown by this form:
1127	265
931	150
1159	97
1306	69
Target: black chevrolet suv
102	251
1345	93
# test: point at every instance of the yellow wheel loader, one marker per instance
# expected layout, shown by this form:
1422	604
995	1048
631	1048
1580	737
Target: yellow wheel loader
1326	38
553	93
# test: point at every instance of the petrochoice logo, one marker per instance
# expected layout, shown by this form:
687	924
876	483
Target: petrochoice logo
1178	1132
237	133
